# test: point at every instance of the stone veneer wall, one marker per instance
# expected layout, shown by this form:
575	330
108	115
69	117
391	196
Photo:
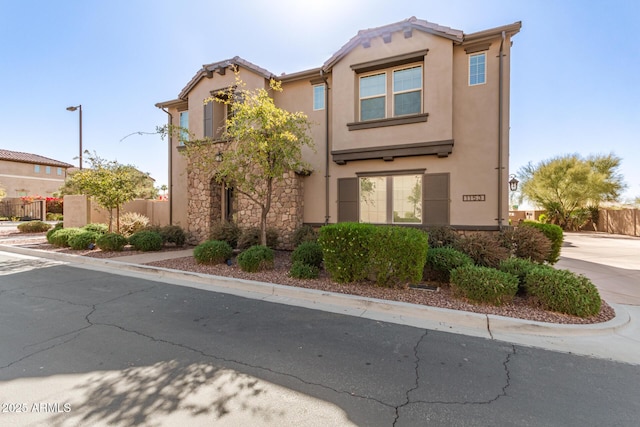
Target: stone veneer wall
285	215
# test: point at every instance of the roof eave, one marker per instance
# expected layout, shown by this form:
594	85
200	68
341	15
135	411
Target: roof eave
491	33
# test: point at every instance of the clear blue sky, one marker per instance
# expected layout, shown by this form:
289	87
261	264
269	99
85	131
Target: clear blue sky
574	83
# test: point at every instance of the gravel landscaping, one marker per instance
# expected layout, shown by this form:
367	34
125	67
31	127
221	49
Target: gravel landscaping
521	308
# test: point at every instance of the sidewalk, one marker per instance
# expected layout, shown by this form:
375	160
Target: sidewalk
618	339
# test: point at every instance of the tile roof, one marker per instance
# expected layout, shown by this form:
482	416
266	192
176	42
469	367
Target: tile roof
17	156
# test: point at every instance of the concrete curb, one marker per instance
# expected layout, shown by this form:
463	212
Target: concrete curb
435	318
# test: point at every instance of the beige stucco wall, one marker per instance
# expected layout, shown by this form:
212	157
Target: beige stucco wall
17	178
80	211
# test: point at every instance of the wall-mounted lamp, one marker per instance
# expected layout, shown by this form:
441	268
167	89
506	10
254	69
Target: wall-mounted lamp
513	183
218	157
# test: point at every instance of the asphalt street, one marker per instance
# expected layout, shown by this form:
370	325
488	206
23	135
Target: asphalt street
86	347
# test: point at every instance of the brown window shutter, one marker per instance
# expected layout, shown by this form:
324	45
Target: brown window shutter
435	195
347	199
208	119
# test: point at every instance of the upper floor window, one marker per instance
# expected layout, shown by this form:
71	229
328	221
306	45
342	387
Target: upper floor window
407	91
318	97
477	69
184	127
373	90
59	171
36	168
47	170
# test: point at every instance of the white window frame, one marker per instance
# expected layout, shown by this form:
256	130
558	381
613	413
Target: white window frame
484	70
318	97
394	92
383	95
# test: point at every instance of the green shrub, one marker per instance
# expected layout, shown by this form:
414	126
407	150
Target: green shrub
132	222
304	233
300	270
251	237
97	228
33	227
483	284
256	258
61	237
486	250
308	253
212	252
441	236
146	240
111	242
440	262
520	268
345	250
563	291
55	228
173	234
553	233
527	243
83	240
54	216
226	231
397	255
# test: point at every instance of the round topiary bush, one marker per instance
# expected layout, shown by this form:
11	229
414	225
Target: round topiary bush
173	234
61	237
441	261
33	227
486	250
256	258
111	242
520	268
212	252
55	228
564	291
304	233
309	253
146	241
300	270
83	240
483	284
227	231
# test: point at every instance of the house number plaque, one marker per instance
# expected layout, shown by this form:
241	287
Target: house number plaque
473	197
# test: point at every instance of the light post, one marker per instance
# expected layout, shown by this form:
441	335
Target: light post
79	107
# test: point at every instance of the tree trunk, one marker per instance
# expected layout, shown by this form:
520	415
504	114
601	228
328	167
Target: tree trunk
265	210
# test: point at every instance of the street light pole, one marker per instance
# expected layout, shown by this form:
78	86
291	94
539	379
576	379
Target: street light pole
79	107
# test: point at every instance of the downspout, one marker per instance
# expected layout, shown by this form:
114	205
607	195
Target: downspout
326	146
170	180
500	120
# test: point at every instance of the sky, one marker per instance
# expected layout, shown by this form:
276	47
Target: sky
575	67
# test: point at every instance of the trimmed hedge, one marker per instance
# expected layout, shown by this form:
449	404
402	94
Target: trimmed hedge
441	236
300	270
173	234
553	233
33	227
97	228
146	241
345	249
256	258
486	250
83	240
55	228
212	252
520	268
61	237
564	291
111	242
397	255
483	284
441	261
304	233
527	243
309	253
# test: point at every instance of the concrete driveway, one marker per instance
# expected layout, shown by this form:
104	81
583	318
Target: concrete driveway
611	261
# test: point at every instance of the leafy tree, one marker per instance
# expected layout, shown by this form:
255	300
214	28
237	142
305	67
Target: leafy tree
569	187
264	142
109	183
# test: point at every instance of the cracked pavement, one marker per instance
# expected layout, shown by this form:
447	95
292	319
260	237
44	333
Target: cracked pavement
126	351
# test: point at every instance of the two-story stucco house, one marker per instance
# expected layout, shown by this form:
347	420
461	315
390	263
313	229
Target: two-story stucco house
411	126
26	174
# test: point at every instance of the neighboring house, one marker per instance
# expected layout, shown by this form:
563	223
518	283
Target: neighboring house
25	174
411	126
